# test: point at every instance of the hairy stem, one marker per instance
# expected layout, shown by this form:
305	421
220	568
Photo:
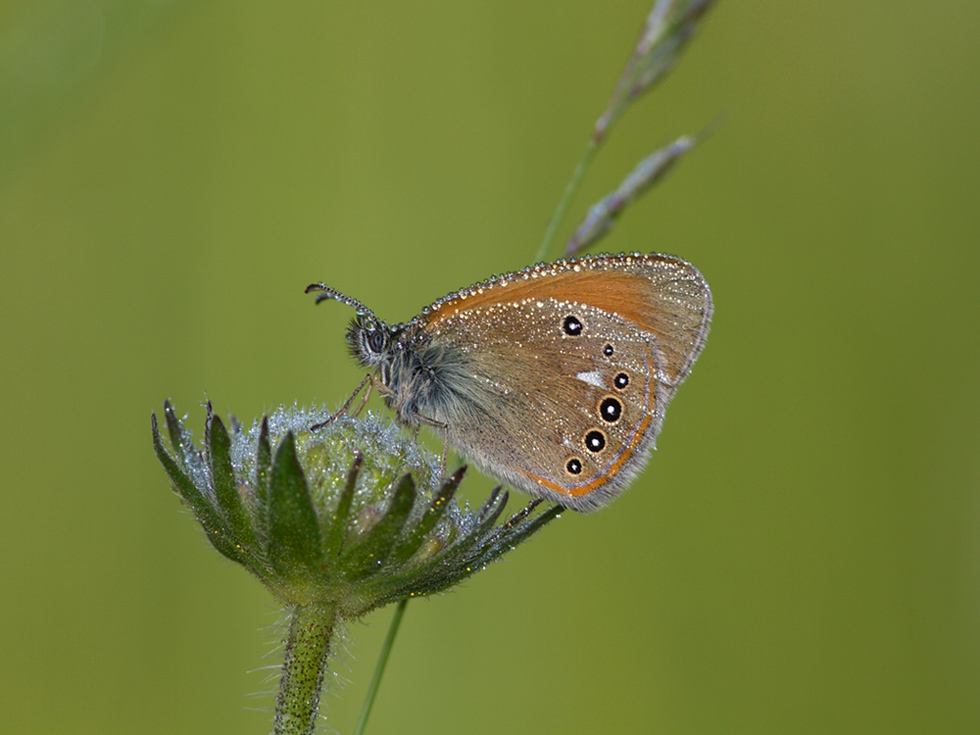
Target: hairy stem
303	668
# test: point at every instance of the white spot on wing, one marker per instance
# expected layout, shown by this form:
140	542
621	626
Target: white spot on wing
592	377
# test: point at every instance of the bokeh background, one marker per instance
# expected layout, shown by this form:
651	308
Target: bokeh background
802	554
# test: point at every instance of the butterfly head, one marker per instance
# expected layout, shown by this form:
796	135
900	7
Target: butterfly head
372	342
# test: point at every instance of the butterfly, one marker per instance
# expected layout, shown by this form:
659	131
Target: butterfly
553	379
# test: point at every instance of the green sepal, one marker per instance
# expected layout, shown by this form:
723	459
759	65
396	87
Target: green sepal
263	464
294	533
464	562
175	430
338	524
364	558
515	530
214	527
411	543
489	512
454	563
223	477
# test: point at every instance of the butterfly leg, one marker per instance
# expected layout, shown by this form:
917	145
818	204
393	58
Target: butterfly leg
445	439
369	381
375	383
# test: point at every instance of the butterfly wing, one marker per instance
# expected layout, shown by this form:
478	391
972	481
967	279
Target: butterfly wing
556	378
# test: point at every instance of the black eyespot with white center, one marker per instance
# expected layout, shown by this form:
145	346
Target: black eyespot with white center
608	350
610	409
595	441
572	326
574	466
621	381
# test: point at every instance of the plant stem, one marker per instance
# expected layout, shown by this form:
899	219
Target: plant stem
566	197
303	668
380	667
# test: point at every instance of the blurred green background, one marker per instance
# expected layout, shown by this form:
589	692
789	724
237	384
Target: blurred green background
802	555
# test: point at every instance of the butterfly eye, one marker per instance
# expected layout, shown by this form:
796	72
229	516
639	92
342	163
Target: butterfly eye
376	341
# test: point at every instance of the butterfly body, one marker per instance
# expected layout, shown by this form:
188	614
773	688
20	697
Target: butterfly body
553	379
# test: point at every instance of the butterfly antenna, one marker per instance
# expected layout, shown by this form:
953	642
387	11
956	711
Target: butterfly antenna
326	293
